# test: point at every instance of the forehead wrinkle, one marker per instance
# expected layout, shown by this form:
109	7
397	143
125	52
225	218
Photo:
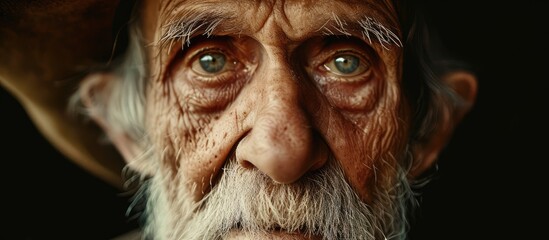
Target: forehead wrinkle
181	20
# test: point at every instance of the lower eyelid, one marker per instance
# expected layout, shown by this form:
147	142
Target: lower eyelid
214	81
208	97
328	77
238	73
351	96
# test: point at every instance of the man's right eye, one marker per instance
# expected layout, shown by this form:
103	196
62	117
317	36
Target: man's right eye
212	63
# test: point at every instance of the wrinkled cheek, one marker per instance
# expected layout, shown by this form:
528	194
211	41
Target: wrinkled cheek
173	161
184	146
370	158
368	174
190	144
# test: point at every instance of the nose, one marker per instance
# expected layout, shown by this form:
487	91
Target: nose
282	142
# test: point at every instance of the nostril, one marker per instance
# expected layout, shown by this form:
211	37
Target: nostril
246	164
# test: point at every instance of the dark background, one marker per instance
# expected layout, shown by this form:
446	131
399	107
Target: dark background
490	182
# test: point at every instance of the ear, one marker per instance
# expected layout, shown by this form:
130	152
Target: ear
95	93
464	84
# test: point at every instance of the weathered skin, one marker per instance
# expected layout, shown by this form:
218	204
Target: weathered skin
282	114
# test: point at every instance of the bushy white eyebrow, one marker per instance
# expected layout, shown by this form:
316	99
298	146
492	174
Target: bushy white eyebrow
369	28
185	27
383	34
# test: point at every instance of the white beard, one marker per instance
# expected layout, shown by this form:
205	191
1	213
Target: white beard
247	201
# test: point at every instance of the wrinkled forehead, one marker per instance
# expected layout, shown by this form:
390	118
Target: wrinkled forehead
297	19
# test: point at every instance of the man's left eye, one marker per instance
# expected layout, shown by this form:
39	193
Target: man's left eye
346	65
211	63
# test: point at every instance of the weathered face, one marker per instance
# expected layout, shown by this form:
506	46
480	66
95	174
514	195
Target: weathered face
280	89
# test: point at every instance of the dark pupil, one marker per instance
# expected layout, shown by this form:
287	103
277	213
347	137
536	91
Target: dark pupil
346	63
212	62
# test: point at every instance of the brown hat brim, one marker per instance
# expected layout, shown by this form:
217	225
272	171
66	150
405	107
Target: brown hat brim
47	46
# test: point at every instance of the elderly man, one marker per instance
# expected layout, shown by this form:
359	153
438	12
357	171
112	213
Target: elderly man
265	119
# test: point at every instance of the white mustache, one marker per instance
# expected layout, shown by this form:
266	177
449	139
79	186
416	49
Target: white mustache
320	204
